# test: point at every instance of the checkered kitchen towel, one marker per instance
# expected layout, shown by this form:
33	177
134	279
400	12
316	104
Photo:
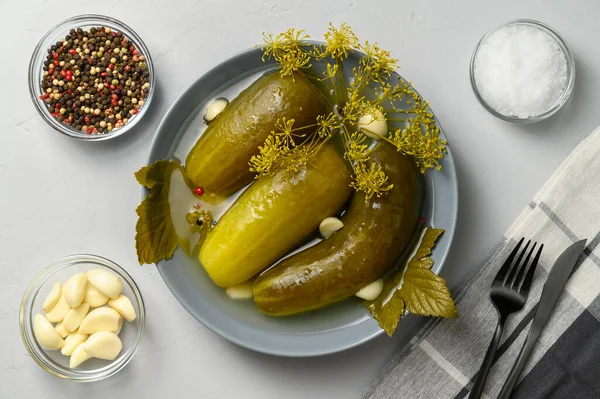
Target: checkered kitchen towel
442	360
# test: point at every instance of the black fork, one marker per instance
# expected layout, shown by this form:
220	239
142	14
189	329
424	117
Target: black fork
509	293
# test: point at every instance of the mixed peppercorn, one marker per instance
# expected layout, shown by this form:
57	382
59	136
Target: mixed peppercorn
95	80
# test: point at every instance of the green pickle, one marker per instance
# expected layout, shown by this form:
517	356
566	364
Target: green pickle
273	215
375	234
219	160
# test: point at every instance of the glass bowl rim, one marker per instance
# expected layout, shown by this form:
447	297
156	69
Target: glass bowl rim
570	60
40	51
42	277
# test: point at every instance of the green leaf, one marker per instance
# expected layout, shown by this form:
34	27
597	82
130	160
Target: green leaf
155	237
421	291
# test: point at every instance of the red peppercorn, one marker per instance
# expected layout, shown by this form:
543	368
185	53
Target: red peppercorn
57	105
90	130
55	62
135	111
114	102
69	72
69	78
55	55
198	191
103	74
72	51
44	96
111	66
70	92
114	96
127	68
112	87
87	119
63	73
95	130
135	52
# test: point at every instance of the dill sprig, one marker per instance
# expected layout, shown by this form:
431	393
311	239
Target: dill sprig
369	95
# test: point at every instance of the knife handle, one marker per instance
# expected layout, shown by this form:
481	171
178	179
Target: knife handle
513	377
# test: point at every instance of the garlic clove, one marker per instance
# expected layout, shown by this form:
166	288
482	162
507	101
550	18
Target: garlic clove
74	289
52	297
119	327
72	341
107	283
240	291
100	319
215	108
78	356
329	226
59	311
371	291
75	316
61	330
45	334
123	305
373	125
94	297
103	345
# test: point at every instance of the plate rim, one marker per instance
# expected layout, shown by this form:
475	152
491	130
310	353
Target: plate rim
307	352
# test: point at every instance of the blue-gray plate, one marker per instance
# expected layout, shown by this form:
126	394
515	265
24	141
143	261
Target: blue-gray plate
332	329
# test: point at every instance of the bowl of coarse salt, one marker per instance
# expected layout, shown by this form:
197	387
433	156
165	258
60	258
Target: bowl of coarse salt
522	71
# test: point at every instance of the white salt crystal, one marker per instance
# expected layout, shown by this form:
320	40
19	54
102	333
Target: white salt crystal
520	71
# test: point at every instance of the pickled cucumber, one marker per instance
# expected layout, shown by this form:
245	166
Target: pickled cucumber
218	162
273	215
374	236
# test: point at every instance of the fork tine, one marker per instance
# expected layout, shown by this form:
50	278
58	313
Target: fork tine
503	272
515	267
519	275
526	283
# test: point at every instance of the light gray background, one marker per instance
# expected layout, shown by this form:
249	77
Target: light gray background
59	196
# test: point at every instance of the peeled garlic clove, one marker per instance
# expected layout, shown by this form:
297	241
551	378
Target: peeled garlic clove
371	291
45	334
103	345
78	356
215	108
61	330
59	311
72	341
118	330
107	283
100	319
240	291
52	297
123	305
75	316
373	125
329	226
94	297
74	289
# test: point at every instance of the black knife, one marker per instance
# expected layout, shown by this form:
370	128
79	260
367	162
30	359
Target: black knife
559	274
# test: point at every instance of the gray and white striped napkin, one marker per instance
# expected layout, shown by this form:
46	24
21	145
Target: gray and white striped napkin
442	360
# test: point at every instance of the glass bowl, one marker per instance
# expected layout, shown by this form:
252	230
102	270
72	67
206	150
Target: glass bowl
570	73
53	361
40	53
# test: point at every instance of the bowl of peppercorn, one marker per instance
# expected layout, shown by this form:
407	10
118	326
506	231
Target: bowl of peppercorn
91	77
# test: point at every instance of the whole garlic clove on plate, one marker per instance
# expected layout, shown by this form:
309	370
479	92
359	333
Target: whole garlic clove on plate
371	291
45	334
373	125
72	341
103	345
107	283
75	316
240	291
59	311
52	297
74	289
123	305
215	108
100	319
78	356
329	226
94	297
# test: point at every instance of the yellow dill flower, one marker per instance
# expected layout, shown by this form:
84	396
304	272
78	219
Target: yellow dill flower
339	41
289	49
421	139
370	179
326	124
356	149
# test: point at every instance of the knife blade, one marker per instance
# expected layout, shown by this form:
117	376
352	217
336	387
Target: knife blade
557	278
